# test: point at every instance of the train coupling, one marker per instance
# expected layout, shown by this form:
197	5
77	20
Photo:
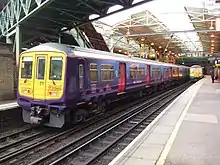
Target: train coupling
37	114
35	120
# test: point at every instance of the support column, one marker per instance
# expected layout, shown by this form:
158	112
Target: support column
60	39
18	41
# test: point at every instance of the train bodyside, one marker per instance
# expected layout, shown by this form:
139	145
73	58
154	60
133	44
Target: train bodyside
73	84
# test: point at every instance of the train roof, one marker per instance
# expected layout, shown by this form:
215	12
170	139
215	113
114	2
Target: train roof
92	53
196	66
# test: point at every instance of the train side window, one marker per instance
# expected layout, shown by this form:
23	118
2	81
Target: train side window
56	65
107	72
141	72
133	71
26	67
93	72
81	76
41	61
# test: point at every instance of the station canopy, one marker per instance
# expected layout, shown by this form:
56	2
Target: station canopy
182	27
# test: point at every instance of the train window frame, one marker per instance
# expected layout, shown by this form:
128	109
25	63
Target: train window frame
23	65
141	72
133	69
96	72
61	70
156	74
109	69
37	69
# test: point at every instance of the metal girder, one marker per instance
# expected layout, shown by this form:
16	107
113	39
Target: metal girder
168	33
198	15
146	18
18	11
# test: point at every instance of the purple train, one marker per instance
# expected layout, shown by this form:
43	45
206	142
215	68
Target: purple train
59	83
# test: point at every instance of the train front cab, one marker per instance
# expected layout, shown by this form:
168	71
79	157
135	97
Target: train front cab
41	87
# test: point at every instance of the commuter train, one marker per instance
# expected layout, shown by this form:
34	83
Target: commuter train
60	84
196	72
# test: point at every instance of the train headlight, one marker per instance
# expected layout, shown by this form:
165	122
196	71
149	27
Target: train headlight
53	93
26	91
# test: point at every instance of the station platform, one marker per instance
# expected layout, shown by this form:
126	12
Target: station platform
7	105
187	132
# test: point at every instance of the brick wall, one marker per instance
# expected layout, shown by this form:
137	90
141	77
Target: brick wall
7	72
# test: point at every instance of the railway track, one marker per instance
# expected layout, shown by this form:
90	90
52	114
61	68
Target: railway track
90	147
7	121
37	150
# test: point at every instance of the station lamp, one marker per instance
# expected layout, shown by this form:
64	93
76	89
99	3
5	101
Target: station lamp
212	45
160	47
212	41
128	32
211	26
119	50
142	39
212	35
152	44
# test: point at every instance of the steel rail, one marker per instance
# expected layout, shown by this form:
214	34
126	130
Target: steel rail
104	127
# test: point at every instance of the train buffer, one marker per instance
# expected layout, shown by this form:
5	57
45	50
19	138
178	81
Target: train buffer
186	132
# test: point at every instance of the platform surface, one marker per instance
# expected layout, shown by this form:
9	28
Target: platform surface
7	105
187	132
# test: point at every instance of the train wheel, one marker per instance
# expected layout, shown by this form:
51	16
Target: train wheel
79	116
141	94
101	107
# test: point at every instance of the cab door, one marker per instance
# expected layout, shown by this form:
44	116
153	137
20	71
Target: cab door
40	77
26	72
122	78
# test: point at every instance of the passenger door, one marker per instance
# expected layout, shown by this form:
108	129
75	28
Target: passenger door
40	77
148	75
122	78
81	74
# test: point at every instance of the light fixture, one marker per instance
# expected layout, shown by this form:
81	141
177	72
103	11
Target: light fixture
212	36
128	32
142	39
212	45
152	43
212	41
119	50
165	49
211	26
160	47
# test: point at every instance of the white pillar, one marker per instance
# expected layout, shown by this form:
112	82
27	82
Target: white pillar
60	39
18	41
